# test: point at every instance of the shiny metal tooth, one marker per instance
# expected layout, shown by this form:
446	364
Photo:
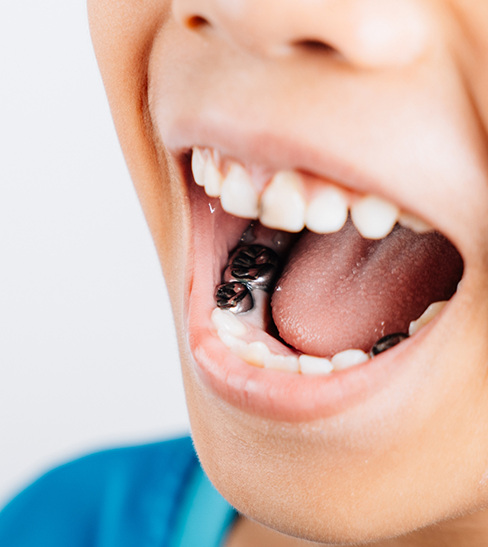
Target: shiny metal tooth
235	297
257	277
387	342
249	255
252	264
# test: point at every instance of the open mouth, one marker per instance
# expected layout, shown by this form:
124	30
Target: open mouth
303	285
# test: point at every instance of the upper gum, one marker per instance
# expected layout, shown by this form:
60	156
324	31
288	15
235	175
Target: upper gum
262	176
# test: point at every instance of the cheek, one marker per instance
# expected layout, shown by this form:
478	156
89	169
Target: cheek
123	35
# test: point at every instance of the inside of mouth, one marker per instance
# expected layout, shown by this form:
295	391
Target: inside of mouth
338	291
331	294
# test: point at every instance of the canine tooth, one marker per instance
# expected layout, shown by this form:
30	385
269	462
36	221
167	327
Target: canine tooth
287	363
282	204
387	342
314	365
198	166
414	223
426	317
348	358
374	217
213	178
226	320
327	212
232	342
238	195
254	353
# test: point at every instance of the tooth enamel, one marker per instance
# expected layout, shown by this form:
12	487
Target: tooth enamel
232	342
374	217
213	178
281	362
426	317
348	358
327	212
314	365
226	320
414	223
282	204
198	166
238	195
254	353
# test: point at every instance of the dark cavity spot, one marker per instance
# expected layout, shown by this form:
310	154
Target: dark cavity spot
387	342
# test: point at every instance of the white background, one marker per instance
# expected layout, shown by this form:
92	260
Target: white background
88	356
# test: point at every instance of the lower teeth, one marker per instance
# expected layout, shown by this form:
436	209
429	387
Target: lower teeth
235	297
250	267
254	267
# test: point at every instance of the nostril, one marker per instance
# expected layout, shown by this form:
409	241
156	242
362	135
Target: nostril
196	22
314	46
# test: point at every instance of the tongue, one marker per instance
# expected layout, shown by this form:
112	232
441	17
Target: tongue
341	291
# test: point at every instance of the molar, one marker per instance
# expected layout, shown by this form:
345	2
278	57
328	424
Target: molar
426	317
235	297
374	217
283	203
254	265
387	342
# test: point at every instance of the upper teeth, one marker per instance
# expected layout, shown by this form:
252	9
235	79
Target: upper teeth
288	204
283	204
238	196
374	217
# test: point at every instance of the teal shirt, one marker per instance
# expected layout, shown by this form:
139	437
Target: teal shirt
154	495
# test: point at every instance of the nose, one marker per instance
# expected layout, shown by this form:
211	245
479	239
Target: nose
370	34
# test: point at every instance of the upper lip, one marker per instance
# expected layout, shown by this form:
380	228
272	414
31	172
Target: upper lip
270	151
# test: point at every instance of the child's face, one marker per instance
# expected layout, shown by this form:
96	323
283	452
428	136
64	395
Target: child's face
341	98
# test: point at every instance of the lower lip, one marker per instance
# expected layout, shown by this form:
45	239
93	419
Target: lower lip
270	394
284	396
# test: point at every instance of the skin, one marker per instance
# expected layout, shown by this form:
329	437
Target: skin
408	466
